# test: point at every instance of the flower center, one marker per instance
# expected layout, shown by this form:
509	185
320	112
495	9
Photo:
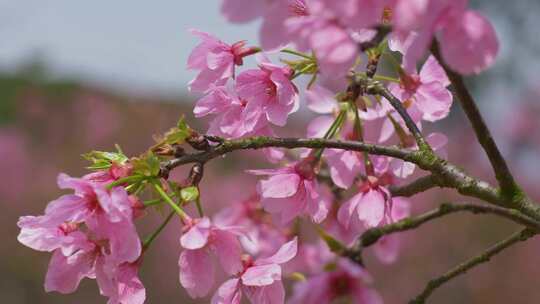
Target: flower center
341	285
410	83
305	168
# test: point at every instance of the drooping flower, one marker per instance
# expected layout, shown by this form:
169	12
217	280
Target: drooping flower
121	284
200	240
388	247
371	206
260	279
292	191
468	40
107	213
269	90
91	234
215	60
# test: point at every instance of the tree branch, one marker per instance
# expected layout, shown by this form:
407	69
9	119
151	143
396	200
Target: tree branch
502	172
447	175
374	87
419	185
372	235
260	142
469	264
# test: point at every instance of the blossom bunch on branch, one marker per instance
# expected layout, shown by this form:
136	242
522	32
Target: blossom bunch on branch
355	64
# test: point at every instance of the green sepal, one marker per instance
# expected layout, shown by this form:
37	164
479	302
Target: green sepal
189	194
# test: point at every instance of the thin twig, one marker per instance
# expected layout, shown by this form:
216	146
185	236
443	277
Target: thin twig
372	235
502	172
377	88
473	262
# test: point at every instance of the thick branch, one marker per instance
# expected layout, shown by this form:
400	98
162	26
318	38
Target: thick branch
419	185
469	264
447	175
502	172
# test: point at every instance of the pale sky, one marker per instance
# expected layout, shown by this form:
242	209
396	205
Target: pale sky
141	45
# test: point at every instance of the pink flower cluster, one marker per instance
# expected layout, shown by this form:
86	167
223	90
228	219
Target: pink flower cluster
91	235
91	232
468	40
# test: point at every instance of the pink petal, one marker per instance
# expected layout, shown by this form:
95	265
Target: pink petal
346	210
197	236
284	254
432	71
335	49
67	208
125	244
469	44
318	127
261	275
434	100
280	186
241	11
273	33
270	294
228	293
401	208
318	204
65	273
344	167
401	168
321	100
437	141
196	272
214	102
227	248
38	235
387	249
371	208
130	288
366	295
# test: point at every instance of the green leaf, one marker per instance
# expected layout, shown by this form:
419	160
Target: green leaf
103	160
147	165
189	193
178	134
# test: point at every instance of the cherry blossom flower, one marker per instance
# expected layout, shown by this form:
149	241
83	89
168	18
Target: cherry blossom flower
292	191
426	91
215	60
387	248
260	279
261	236
268	90
372	205
274	13
235	117
108	214
201	238
468	40
347	280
